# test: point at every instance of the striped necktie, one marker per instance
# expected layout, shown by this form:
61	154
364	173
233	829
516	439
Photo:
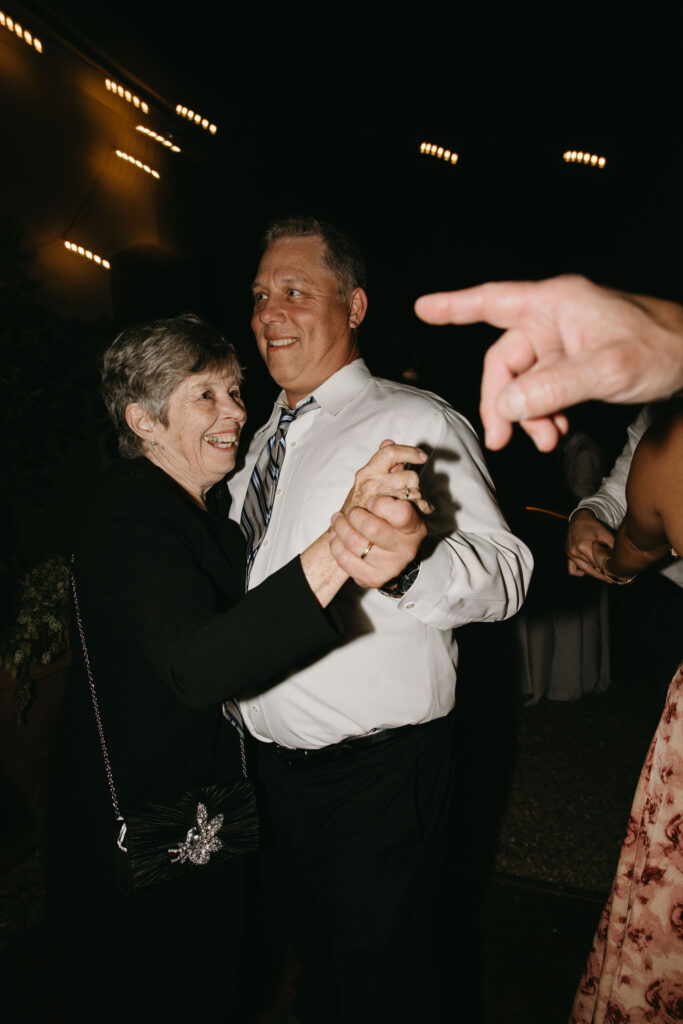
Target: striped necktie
258	501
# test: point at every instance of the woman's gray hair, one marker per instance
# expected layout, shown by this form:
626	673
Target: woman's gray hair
145	364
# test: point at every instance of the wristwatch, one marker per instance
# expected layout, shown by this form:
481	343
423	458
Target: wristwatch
401	584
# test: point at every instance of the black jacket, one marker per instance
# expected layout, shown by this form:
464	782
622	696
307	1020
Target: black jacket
171	633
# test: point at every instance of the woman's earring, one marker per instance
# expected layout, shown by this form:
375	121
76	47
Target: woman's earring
154	441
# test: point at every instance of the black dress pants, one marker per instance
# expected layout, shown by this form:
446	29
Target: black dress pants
351	868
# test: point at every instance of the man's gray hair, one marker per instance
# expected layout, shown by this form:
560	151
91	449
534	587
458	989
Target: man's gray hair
341	255
145	364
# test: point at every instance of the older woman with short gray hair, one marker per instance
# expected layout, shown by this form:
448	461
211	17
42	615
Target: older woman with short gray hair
170	634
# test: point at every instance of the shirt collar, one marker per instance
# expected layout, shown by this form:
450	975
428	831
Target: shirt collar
338	390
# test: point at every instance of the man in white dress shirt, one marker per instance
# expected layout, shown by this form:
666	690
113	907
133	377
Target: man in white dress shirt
354	749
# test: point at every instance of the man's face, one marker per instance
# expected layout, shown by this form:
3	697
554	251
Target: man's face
303	327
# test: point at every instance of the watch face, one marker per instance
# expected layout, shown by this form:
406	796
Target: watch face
400	585
409	577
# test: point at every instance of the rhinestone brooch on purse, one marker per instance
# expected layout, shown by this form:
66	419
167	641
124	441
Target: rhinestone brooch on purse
201	840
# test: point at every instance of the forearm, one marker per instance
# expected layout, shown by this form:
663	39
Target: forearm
322	572
276	626
470	579
632	555
473	569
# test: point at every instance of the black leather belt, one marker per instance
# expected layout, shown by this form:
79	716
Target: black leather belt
301	757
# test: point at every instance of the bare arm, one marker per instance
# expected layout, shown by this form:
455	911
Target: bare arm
566	340
654	494
598	517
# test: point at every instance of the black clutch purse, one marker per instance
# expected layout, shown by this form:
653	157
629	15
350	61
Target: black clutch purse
166	840
169	839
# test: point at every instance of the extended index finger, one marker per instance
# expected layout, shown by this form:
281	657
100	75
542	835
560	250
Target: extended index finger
500	303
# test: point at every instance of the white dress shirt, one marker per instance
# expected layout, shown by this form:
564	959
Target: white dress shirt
608	504
396	662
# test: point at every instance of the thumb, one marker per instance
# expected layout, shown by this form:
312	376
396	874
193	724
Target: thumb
546	391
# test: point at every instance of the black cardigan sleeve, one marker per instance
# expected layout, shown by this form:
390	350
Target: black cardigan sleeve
146	586
274	627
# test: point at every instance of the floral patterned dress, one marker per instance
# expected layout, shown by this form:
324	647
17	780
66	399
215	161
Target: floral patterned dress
634	973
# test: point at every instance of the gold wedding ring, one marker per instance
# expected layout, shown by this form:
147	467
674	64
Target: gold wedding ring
367	550
407	493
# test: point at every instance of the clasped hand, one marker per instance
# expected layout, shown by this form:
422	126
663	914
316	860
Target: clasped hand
585	532
379	528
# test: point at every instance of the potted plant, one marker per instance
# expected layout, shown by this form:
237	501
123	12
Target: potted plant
34	660
38	632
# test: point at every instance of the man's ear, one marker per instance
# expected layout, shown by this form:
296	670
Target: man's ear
140	421
358	307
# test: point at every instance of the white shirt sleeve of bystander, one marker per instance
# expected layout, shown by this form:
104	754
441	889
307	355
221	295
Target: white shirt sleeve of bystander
608	504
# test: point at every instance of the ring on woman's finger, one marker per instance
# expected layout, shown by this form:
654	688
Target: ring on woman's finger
407	494
367	550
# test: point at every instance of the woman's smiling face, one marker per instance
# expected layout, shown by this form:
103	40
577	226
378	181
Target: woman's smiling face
198	446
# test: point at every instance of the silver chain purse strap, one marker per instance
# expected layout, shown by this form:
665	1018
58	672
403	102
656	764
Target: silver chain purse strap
98	719
234	719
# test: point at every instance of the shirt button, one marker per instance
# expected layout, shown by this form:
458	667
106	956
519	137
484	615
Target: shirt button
292	444
411	604
267	542
279	490
255	708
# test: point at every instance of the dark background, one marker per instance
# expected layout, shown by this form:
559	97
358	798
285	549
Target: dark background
318	111
323	111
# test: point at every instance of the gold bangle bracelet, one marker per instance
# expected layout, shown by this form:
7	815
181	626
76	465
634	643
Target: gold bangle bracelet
620	580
